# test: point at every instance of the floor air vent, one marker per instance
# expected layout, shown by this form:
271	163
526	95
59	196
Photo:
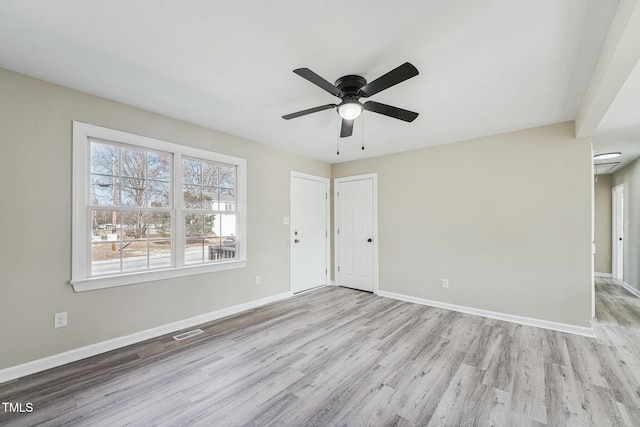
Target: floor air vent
187	334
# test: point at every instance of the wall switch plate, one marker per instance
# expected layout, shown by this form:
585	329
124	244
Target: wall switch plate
258	280
60	320
445	283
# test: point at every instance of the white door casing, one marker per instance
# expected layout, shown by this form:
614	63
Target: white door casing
356	232
308	233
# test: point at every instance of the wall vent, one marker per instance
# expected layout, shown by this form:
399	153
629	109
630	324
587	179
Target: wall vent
187	334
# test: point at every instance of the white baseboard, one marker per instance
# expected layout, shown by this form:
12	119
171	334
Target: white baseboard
604	275
74	355
545	324
631	289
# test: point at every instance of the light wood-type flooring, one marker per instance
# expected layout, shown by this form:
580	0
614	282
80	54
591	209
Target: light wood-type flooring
339	357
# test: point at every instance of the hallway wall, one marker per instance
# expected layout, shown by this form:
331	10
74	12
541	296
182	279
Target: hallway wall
602	226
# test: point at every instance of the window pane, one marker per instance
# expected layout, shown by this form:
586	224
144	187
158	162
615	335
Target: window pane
192	197
157	194
133	192
209	175
227	195
160	253
209	225
105	258
105	226
104	190
134	163
227	176
228	226
209	198
194	251
225	228
134	225
134	256
193	225
105	159
220	249
192	172
158	167
159	225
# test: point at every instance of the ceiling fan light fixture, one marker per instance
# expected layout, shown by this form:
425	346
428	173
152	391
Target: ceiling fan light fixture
350	110
604	156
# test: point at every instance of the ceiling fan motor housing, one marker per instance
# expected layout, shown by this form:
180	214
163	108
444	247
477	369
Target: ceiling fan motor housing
350	85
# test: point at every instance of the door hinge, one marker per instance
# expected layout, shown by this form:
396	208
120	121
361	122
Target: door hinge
338	231
338	193
325	271
338	268
326	196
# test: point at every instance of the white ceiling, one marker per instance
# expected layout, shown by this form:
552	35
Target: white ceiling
485	67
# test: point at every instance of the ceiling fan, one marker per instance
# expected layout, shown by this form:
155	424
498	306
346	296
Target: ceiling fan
351	88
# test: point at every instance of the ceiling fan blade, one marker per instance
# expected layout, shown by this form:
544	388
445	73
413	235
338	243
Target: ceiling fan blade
346	129
318	81
388	110
392	78
309	111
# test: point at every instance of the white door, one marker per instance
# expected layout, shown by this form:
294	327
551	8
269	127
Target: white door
617	220
309	231
356	240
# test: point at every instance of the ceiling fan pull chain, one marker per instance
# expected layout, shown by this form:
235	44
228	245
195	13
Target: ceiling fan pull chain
363	131
338	137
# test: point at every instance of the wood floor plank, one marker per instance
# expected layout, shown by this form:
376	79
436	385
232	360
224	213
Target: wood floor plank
583	355
465	387
602	408
485	348
527	396
565	398
501	371
555	348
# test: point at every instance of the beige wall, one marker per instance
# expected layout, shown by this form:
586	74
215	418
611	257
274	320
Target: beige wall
507	219
35	213
630	177
602	224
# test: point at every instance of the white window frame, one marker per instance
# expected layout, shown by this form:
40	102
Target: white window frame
81	224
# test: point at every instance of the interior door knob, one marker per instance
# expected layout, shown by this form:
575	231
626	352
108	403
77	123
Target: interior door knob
296	241
369	240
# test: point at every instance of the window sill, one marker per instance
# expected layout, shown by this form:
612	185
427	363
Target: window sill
95	283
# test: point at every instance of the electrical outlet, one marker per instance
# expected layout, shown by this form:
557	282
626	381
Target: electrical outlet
60	320
445	283
258	280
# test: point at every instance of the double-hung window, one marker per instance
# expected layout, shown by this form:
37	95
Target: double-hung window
145	209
